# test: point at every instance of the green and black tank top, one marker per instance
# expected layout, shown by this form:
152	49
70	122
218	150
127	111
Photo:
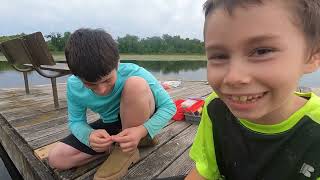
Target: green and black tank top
247	151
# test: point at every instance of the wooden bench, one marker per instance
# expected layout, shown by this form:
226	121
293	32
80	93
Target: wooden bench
30	52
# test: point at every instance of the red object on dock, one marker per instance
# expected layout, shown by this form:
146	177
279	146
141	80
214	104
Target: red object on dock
179	116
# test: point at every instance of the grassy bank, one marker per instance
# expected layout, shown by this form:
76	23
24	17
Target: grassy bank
158	57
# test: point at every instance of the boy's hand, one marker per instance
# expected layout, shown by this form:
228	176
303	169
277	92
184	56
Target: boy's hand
129	138
100	140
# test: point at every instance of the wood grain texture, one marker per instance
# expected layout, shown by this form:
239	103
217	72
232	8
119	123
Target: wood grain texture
42	153
181	166
29	166
159	160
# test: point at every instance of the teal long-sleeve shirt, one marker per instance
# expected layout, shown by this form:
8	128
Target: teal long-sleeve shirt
80	98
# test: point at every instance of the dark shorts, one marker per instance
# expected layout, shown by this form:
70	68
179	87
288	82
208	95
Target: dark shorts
111	128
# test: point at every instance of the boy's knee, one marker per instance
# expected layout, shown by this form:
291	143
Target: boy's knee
136	86
137	93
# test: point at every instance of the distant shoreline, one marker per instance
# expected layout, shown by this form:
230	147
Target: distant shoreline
148	57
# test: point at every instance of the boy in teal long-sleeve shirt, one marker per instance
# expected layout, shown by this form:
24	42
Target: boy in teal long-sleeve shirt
131	103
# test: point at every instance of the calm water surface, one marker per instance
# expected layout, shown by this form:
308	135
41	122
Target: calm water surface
4	175
163	70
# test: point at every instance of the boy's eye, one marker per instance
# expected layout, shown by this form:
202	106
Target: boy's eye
89	85
262	52
107	81
218	56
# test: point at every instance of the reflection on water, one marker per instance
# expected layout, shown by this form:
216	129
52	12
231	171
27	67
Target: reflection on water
4	66
4	174
167	67
163	70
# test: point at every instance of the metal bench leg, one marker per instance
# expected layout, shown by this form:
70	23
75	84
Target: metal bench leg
26	84
55	92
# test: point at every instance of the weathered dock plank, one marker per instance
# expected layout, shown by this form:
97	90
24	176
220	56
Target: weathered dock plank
180	166
39	109
22	155
159	160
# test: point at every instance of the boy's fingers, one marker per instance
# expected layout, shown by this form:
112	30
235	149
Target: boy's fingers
99	145
103	134
108	143
126	145
104	145
123	133
121	139
102	140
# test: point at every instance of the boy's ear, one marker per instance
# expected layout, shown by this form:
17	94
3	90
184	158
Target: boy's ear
313	63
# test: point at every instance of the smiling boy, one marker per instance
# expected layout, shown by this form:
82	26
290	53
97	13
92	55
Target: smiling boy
254	125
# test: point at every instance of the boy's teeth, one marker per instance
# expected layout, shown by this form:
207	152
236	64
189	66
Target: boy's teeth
235	98
246	98
243	98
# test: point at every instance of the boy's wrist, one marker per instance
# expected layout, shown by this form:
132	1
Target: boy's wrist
89	144
142	131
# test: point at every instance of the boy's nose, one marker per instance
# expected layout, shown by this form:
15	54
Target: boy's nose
101	89
236	75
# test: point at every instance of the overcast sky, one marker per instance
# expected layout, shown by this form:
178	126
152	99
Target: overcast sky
144	18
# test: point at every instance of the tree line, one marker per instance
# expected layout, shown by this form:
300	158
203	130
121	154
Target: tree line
6	38
131	44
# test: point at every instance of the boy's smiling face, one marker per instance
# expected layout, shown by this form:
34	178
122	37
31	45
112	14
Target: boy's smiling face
255	59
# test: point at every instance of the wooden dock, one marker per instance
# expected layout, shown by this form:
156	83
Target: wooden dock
30	126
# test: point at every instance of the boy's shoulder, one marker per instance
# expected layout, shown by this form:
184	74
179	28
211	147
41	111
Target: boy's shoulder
74	82
128	67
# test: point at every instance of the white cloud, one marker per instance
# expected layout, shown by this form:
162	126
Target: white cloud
143	18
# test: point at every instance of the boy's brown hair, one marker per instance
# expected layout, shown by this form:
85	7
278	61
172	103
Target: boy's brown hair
91	54
305	15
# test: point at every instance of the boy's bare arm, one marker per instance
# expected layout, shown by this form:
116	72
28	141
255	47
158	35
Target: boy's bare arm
194	175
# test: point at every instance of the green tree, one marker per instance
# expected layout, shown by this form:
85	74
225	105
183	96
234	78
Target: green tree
165	44
57	41
6	38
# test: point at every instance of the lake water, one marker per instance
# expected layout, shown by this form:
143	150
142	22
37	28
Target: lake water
4	175
163	70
